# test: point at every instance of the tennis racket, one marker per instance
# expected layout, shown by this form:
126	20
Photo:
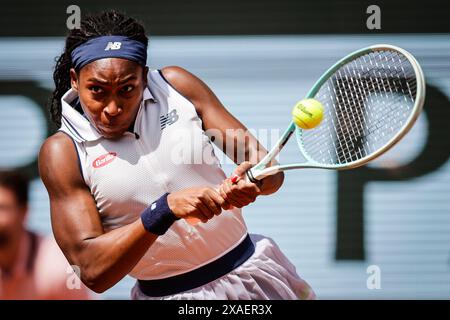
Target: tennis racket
371	99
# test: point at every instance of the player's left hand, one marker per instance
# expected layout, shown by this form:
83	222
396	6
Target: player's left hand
240	192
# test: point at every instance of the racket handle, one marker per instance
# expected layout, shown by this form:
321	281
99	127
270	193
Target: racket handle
194	221
234	180
249	176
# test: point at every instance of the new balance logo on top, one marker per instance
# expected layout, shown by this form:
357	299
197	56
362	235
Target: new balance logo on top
113	46
168	119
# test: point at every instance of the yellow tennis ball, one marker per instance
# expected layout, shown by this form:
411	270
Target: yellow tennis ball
307	113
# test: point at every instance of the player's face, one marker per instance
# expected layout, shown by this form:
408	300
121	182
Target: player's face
11	218
110	92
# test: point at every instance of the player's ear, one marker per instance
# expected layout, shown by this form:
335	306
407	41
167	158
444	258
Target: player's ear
74	79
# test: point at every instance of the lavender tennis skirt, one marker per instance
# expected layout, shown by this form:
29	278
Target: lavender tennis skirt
266	275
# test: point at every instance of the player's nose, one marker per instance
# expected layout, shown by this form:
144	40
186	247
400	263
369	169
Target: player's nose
113	109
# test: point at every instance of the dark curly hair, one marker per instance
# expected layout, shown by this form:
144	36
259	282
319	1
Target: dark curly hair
106	23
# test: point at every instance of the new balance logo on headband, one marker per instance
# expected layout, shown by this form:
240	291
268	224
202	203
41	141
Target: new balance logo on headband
113	46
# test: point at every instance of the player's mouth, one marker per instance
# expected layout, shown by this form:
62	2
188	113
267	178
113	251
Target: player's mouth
109	131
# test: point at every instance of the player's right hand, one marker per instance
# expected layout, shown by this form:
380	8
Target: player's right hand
198	202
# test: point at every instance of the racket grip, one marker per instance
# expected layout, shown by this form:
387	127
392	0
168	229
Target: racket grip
234	179
194	221
251	178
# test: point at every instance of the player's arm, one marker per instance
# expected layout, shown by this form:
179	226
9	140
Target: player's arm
103	258
215	116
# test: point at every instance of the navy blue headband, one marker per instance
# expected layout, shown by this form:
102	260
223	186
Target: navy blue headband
109	47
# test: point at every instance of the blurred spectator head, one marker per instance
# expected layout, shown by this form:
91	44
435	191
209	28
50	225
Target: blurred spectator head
13	206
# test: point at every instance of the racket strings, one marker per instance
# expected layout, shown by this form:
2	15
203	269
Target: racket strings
356	138
359	121
367	102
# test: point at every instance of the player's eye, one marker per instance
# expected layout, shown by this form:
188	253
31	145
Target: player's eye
127	88
96	89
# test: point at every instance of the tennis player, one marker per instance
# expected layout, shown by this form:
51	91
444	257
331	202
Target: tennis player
120	198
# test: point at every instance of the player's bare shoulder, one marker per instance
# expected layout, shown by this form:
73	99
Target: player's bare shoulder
176	74
191	87
58	161
182	80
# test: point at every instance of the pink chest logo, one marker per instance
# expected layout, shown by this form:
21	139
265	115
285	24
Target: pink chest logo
103	160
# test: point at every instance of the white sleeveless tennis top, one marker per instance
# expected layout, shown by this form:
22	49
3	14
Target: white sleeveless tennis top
168	152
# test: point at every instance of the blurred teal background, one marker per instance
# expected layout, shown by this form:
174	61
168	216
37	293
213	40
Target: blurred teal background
394	214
